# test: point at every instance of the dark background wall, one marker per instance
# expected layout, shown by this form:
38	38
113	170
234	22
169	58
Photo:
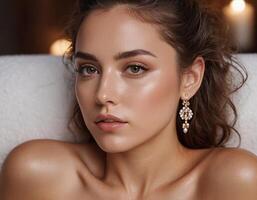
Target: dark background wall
31	26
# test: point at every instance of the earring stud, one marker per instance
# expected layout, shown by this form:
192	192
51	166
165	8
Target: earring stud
185	114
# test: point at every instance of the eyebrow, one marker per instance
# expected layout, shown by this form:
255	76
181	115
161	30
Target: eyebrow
122	55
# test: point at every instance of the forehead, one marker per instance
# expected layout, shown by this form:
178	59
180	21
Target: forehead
117	30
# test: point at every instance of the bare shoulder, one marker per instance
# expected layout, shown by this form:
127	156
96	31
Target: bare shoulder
231	173
35	167
33	152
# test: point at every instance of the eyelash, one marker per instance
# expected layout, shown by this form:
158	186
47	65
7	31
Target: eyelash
86	66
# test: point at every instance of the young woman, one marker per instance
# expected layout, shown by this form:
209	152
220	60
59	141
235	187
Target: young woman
152	87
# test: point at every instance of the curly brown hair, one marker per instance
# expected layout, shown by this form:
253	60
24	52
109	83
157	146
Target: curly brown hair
193	29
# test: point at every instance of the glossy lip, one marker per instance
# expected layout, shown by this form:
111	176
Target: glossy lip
102	117
110	126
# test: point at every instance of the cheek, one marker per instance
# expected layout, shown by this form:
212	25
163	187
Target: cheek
155	103
159	92
84	98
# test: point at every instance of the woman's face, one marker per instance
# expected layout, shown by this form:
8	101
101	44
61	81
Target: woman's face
146	96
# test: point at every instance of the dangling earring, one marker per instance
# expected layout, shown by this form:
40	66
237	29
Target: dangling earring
185	114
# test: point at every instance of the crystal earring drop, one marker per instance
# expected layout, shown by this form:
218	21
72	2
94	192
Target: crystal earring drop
185	114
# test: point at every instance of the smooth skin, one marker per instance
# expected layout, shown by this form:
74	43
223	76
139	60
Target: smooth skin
144	159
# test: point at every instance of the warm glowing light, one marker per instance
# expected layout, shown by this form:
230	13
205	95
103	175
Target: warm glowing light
59	47
240	17
238	5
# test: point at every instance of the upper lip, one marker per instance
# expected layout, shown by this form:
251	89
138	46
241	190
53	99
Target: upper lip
102	117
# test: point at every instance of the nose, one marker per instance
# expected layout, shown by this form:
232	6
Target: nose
106	92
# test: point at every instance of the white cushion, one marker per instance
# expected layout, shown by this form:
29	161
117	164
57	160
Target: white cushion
245	101
37	96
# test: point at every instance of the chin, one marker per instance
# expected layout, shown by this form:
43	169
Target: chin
113	145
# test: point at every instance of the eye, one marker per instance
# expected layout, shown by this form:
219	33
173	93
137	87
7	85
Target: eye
86	70
135	68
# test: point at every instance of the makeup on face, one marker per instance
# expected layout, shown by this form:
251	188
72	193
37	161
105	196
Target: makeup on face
81	59
127	71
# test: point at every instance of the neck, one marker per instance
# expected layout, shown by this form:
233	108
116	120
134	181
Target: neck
149	166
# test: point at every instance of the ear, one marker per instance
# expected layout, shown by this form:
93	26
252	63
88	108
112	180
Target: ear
192	78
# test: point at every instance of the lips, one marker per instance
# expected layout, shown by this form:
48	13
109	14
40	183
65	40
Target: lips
109	123
108	119
110	126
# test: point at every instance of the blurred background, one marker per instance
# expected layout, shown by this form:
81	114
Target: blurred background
36	26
